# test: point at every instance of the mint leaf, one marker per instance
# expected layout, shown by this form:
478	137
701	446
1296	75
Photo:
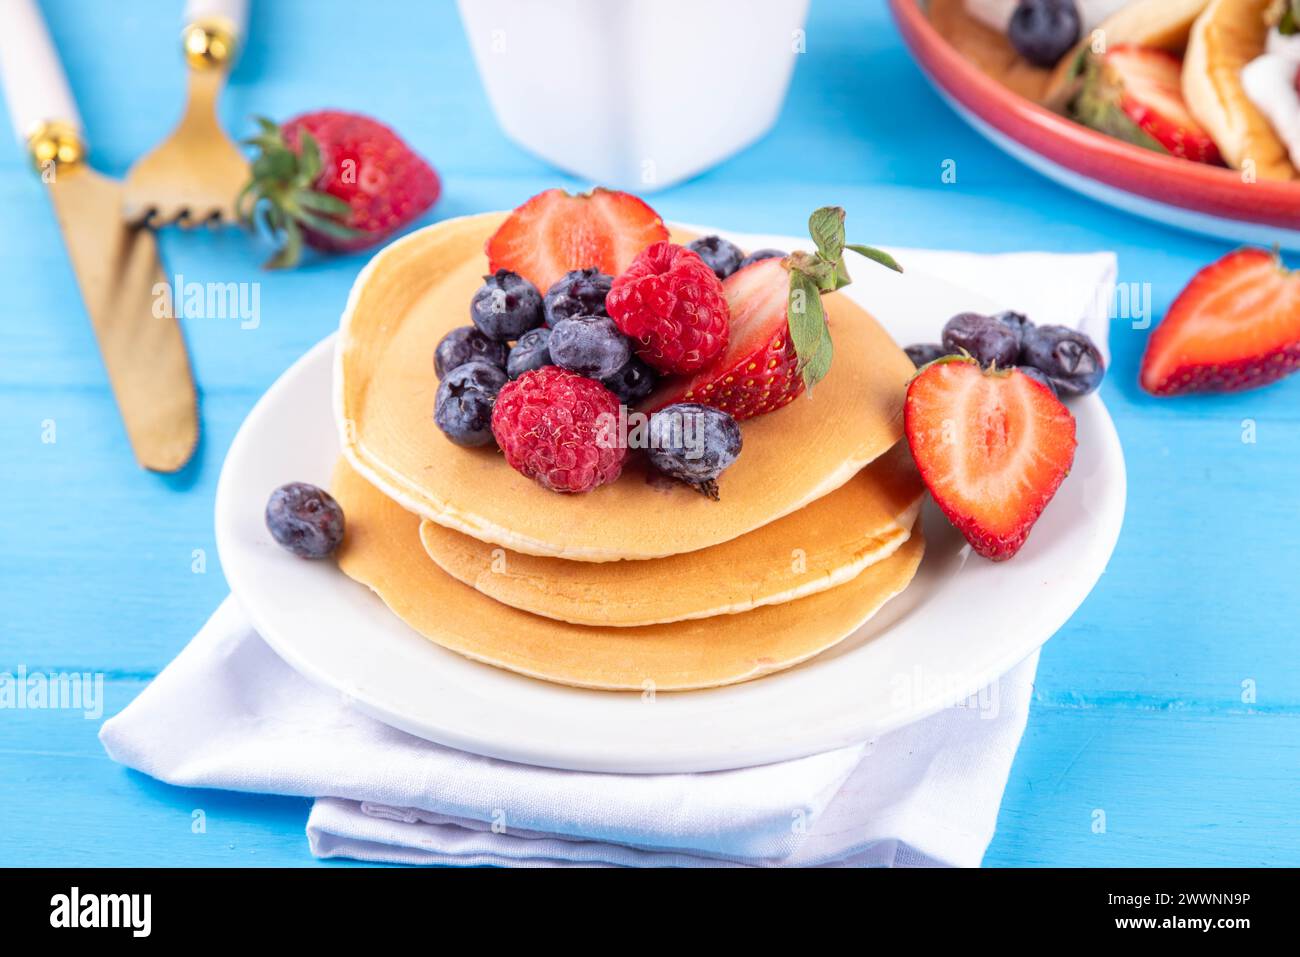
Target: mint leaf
875	255
826	226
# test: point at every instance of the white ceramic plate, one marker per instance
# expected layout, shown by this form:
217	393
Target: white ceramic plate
962	623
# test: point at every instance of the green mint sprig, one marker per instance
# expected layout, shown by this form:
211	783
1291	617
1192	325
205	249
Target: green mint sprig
812	274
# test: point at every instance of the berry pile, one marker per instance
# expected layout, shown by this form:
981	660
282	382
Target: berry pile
1064	360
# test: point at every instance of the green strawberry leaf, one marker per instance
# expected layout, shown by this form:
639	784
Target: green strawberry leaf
826	226
876	255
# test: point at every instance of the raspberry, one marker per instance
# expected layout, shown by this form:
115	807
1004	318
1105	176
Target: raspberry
550	425
671	303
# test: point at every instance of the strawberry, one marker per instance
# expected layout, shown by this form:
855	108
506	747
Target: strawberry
337	181
992	446
1135	93
554	233
779	341
1236	326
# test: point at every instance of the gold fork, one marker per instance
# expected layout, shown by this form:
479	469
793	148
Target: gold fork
194	175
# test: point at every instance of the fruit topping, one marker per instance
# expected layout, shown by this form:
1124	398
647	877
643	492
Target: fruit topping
1040	377
922	353
1135	94
1066	356
1043	31
1236	326
671	303
506	306
559	429
590	346
760	254
580	292
989	340
721	256
694	443
992	446
554	232
463	408
337	181
467	344
779	342
304	519
1017	322
530	352
633	383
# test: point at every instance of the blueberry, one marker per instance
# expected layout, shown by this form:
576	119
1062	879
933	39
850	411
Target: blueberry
1066	356
1043	31
578	293
718	254
506	306
1017	322
984	337
632	383
1038	376
924	352
529	353
693	443
304	519
463	409
590	346
465	345
760	254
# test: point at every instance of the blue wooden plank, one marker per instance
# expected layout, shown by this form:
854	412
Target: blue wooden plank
1139	708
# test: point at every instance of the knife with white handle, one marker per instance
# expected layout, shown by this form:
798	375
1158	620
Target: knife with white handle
122	283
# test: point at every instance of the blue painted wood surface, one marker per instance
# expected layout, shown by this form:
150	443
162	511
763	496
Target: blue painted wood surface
1139	709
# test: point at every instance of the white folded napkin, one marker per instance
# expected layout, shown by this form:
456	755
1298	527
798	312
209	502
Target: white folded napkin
229	713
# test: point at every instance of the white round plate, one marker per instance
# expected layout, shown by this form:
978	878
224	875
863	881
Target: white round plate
961	624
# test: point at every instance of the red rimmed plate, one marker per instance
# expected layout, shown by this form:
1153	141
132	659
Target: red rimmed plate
1193	196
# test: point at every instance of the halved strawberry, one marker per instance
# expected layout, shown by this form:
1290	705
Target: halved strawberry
992	446
1236	326
759	371
1136	94
554	233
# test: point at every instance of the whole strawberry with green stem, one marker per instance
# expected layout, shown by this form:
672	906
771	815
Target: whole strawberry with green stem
335	181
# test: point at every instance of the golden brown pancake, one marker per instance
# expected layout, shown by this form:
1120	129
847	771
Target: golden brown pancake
1227	36
818	547
382	550
987	48
419	287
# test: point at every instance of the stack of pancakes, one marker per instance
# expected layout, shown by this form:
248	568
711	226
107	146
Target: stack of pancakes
640	584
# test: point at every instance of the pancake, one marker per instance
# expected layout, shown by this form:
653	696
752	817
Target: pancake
820	546
988	49
1227	36
419	287
382	550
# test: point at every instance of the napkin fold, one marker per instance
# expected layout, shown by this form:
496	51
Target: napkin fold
229	713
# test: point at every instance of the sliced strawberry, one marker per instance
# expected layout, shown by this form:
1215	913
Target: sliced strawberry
759	371
1136	93
1236	326
554	233
992	446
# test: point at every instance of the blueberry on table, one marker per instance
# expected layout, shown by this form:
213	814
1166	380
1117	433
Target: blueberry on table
463	408
506	306
589	345
1066	356
984	337
581	292
304	519
1039	377
467	344
1043	31
761	254
529	353
721	256
632	383
923	353
693	443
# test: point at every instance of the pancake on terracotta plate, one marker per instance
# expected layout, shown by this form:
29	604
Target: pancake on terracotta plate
818	547
382	550
419	288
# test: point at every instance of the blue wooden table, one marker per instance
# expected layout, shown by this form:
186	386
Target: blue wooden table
1168	707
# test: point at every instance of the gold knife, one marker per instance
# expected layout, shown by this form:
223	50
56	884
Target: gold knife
123	284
